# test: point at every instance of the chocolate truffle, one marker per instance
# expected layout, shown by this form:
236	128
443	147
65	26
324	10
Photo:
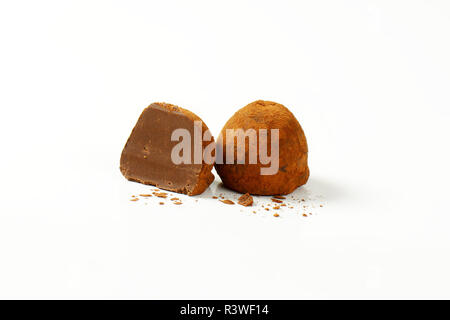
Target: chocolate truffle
148	154
245	176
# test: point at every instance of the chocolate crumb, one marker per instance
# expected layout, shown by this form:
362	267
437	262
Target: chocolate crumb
245	200
305	215
227	201
160	194
276	215
279	197
214	197
134	199
276	200
276	207
145	195
161	203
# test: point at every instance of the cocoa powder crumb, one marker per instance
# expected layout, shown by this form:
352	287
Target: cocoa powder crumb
214	197
276	215
145	195
276	207
305	215
161	203
134	199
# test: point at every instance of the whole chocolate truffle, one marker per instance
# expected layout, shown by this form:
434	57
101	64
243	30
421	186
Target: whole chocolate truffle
245	175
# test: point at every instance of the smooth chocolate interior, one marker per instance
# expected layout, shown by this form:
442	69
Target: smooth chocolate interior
146	157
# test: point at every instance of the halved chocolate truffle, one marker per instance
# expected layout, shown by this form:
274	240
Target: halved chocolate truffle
148	154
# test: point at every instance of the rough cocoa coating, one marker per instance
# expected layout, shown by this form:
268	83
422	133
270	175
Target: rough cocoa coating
146	157
293	151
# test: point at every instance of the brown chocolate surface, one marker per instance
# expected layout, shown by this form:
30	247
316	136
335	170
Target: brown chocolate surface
146	157
293	170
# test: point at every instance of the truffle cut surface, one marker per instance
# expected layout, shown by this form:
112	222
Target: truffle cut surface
147	155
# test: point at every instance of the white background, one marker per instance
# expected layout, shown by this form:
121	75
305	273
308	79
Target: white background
368	80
